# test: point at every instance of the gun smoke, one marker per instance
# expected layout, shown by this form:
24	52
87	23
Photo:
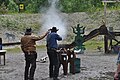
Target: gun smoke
52	18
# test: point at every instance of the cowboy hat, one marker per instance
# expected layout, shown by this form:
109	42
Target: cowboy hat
28	31
54	29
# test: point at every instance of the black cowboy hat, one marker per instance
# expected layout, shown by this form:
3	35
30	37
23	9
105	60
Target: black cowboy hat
54	29
28	31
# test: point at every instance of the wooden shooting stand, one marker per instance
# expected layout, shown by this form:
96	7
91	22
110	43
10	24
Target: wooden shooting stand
67	56
2	53
110	45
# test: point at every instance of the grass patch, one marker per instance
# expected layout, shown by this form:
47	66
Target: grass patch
41	46
89	45
13	50
93	44
18	49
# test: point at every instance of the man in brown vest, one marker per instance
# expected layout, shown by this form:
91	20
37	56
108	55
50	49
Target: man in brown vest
28	46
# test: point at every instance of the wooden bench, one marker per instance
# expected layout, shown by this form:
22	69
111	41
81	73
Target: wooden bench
2	53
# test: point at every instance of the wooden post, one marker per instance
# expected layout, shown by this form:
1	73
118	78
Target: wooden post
105	19
106	43
110	30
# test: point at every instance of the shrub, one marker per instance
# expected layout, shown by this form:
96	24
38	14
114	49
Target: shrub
12	6
3	9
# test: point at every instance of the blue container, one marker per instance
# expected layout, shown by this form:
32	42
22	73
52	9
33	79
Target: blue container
76	65
116	49
0	46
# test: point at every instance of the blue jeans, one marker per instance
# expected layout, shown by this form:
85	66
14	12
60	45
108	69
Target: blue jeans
54	63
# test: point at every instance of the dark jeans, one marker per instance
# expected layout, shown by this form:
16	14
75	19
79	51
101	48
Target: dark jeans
54	63
30	66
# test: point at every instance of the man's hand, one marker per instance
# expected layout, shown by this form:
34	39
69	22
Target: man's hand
116	76
48	30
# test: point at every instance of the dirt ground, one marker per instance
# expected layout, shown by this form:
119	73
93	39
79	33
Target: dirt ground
94	66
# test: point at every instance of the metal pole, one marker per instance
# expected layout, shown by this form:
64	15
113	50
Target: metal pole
105	4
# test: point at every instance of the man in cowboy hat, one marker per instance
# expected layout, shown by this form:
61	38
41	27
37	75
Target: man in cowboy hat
28	46
52	53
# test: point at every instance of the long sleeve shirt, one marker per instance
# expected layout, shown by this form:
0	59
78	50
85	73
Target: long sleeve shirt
52	40
28	42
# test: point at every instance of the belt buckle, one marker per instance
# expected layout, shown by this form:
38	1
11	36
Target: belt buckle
52	48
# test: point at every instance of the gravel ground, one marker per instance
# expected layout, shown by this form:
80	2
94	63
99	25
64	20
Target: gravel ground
94	66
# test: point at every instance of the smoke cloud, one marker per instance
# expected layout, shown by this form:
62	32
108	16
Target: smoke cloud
52	18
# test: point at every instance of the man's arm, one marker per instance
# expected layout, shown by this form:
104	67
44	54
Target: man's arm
41	37
116	75
118	68
59	37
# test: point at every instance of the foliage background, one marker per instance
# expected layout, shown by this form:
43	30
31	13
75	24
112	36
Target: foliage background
68	6
90	16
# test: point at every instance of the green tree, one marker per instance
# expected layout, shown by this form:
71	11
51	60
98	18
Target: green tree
34	5
12	6
4	1
74	5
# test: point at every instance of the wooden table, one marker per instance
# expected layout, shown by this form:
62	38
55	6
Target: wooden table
2	53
